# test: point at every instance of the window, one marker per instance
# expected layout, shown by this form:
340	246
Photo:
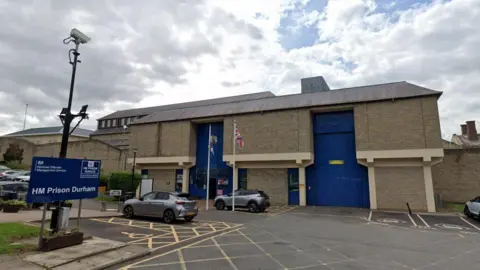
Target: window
293	179
123	121
114	122
162	196
242	178
102	123
108	123
132	119
149	196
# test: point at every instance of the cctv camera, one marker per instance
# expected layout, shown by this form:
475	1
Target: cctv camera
81	37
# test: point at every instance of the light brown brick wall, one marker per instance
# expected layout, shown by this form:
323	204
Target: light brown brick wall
398	185
175	138
399	124
272	181
116	136
271	132
163	180
145	139
457	179
112	158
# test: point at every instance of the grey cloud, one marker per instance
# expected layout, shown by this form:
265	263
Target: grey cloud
133	46
234	84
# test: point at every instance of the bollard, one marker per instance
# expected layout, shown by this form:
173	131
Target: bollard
104	207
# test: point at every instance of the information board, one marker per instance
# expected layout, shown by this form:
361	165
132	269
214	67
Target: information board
59	179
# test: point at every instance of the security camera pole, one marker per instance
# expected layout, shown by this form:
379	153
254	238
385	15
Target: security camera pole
66	115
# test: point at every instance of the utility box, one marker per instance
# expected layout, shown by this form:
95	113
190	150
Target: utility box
63	218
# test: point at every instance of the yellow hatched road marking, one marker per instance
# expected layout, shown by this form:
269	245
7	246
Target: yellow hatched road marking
181	259
213	228
174	232
196	232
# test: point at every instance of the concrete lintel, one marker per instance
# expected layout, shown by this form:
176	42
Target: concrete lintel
304	156
163	160
407	153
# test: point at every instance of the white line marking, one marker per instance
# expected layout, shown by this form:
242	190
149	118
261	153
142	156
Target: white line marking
413	221
469	223
461	235
424	222
370	216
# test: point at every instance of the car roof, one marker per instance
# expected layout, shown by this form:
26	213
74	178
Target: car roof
2	183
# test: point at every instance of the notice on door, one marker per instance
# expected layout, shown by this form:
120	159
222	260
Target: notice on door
335	162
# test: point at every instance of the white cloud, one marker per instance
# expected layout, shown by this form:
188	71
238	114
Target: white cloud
175	54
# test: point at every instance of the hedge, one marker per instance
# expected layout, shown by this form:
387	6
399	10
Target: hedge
123	181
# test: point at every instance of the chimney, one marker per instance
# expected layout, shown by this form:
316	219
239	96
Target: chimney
472	131
314	84
464	129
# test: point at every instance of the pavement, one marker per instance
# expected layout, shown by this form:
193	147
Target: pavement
36	214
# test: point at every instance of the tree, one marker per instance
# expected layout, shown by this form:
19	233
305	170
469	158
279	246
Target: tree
13	153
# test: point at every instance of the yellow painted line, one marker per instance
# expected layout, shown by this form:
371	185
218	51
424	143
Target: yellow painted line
196	232
130	223
133	265
150	242
155	236
213	228
263	250
228	226
110	220
174	233
151	225
182	260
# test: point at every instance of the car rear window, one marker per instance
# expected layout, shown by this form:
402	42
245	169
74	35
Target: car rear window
263	194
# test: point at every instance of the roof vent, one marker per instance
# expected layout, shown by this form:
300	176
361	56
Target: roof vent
314	84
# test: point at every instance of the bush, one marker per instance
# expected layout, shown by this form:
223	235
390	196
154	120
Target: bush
123	181
17	166
104	179
21	204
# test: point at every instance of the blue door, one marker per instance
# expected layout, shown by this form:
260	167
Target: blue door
293	193
336	179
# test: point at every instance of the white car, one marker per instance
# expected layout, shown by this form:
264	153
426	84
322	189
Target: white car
23	178
14	176
472	208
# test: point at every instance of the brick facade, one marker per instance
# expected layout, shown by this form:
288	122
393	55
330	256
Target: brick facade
398	185
272	181
457	179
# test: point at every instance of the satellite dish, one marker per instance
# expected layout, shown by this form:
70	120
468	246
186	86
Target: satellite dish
125	127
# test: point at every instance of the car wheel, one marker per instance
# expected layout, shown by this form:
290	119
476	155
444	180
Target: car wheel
466	211
252	207
168	216
189	219
128	212
220	205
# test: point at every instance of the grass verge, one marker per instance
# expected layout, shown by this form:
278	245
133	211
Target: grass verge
107	199
14	231
455	207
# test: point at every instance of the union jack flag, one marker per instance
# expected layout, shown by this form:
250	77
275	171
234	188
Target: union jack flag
238	137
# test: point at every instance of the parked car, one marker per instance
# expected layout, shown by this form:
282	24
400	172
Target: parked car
12	176
472	208
4	168
5	174
253	200
167	205
9	188
22	177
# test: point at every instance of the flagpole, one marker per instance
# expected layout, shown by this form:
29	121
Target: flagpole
208	162
234	165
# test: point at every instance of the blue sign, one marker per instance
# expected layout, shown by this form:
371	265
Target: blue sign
60	179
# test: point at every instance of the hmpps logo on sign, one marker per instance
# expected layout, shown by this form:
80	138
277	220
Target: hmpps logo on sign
90	169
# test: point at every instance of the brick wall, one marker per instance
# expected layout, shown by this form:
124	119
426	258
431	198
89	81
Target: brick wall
28	148
163	180
398	185
144	138
112	158
415	122
457	179
115	136
271	132
272	181
175	138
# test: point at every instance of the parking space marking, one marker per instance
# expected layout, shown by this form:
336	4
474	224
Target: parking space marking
370	216
224	254
413	221
263	250
423	220
469	223
182	260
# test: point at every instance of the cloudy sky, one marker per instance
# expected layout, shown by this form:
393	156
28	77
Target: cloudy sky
153	52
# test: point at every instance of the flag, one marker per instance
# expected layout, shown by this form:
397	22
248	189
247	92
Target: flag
213	140
238	137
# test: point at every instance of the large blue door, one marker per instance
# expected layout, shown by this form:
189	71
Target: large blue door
336	179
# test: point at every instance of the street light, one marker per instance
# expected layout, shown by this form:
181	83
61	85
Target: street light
66	115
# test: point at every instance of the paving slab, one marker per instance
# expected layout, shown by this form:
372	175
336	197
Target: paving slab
63	256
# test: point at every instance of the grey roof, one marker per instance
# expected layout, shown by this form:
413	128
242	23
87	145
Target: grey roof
105	131
49	131
206	102
367	93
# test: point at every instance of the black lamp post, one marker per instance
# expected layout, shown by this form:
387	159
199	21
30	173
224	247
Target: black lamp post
66	115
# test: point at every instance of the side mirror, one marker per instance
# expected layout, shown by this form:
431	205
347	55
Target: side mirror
141	198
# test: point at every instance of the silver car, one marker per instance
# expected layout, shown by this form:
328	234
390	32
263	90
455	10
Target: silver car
472	208
253	200
167	205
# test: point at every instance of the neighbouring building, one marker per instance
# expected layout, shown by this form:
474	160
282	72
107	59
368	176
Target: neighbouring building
46	135
469	136
370	146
